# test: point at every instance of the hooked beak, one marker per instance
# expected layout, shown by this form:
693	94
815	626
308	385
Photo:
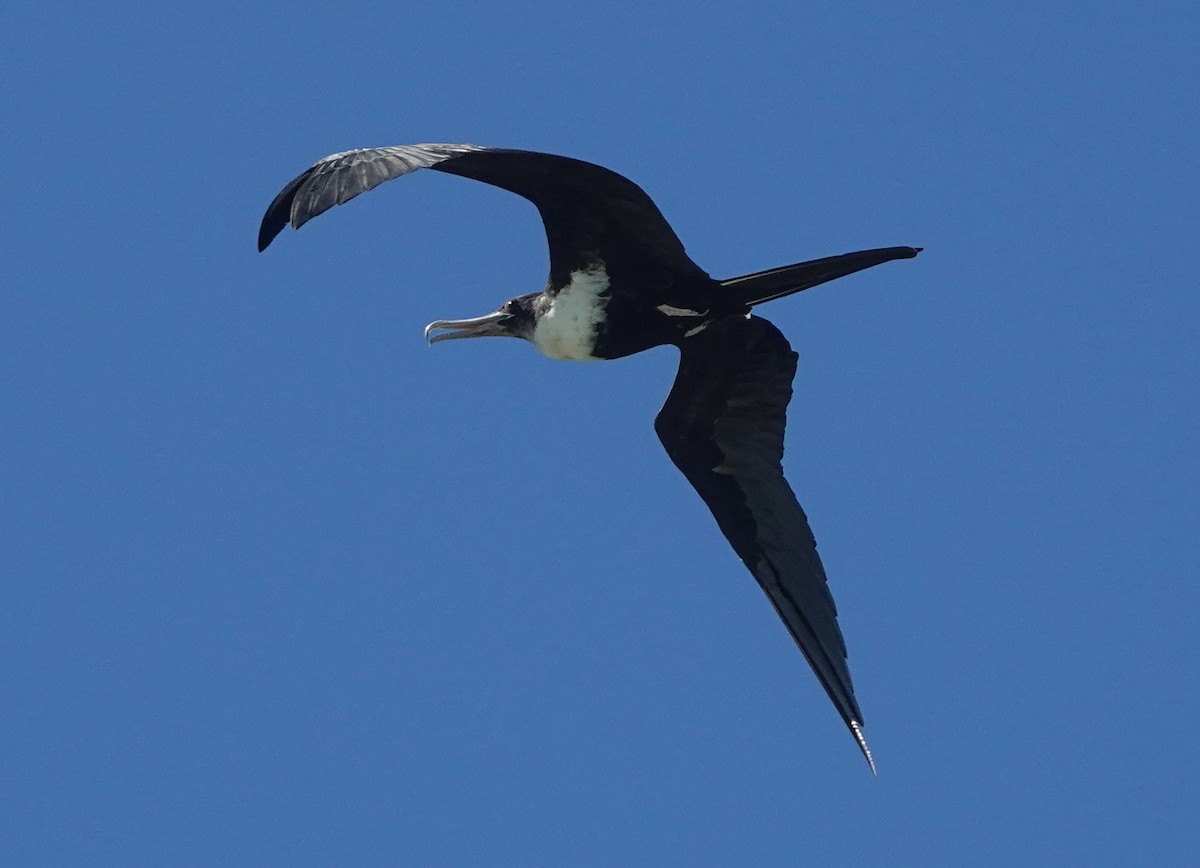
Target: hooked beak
489	326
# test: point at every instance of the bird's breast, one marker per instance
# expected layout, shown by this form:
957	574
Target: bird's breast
567	326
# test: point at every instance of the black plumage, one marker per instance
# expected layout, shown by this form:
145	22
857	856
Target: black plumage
623	275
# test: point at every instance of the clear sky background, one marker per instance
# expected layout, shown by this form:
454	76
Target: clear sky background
281	585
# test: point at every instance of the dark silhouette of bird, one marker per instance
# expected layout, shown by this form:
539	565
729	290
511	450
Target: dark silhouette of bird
620	282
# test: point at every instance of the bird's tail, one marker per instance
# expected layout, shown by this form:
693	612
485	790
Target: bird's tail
764	286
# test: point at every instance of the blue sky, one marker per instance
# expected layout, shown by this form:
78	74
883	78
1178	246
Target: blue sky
281	585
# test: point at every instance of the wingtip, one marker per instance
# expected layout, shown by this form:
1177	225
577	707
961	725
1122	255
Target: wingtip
856	729
268	231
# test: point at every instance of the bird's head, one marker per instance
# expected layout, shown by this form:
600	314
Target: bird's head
514	319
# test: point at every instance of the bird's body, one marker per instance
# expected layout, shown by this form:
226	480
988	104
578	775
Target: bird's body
620	282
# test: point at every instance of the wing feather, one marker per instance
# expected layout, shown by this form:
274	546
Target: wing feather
723	426
338	178
589	212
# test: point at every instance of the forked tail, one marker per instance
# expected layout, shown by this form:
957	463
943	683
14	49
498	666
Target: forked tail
764	286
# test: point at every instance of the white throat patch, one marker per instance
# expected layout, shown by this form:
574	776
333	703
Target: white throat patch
567	329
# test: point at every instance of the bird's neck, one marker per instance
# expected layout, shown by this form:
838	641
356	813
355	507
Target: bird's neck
569	319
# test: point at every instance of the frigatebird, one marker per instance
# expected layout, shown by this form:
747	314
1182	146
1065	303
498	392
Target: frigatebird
620	282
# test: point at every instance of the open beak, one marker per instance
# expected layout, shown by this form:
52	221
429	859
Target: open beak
490	326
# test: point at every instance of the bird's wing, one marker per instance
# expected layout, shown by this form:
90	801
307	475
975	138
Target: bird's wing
587	210
340	177
722	425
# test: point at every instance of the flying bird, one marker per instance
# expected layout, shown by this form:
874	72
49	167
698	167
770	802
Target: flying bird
620	282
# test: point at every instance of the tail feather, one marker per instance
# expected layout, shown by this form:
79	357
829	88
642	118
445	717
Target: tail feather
765	286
